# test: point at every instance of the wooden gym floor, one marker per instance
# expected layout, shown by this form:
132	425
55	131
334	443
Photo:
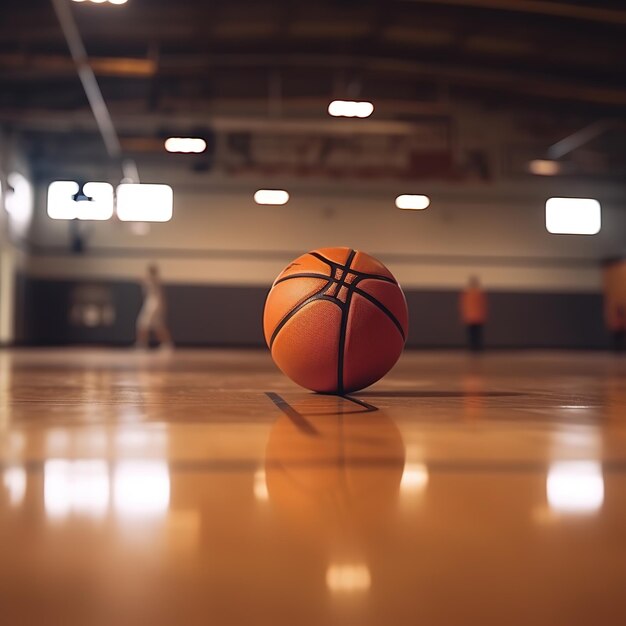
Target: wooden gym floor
202	487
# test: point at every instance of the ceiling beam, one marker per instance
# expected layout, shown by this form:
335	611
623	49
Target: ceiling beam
46	64
537	85
532	84
539	7
144	123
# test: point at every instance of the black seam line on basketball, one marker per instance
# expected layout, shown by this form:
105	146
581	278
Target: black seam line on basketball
318	295
297	419
343	326
321	257
296	308
382	307
344	274
342	340
303	275
334	266
341	266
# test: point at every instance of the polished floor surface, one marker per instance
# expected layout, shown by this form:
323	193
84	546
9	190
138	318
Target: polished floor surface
201	487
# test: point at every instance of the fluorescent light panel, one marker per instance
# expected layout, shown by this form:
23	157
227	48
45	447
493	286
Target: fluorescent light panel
573	216
62	206
104	1
412	202
144	203
186	145
271	196
350	108
544	167
19	198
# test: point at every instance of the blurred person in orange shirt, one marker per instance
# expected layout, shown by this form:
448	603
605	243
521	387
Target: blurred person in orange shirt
473	309
616	321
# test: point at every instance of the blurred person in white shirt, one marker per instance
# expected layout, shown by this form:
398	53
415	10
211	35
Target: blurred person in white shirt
152	316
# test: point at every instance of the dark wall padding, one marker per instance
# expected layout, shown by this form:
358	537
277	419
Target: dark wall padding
46	314
216	315
210	315
516	320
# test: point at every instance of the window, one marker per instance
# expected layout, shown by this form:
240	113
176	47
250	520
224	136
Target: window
144	203
573	216
66	201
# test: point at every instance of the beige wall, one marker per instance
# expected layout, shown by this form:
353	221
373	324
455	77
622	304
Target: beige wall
219	235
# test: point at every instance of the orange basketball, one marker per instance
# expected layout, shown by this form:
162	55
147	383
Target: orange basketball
335	320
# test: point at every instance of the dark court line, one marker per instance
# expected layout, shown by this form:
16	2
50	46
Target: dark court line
299	421
370	408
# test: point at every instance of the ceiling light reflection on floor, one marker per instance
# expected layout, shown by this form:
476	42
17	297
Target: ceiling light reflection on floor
14	480
76	487
348	578
92	442
414	477
141	488
575	486
135	441
260	486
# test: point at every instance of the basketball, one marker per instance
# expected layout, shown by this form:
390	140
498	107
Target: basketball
335	320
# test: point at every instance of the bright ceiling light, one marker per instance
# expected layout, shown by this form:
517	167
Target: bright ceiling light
104	1
271	196
573	216
96	202
186	145
144	203
364	109
412	202
19	198
350	108
19	203
544	167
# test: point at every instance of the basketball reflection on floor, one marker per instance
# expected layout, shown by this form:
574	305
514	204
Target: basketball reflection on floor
333	472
